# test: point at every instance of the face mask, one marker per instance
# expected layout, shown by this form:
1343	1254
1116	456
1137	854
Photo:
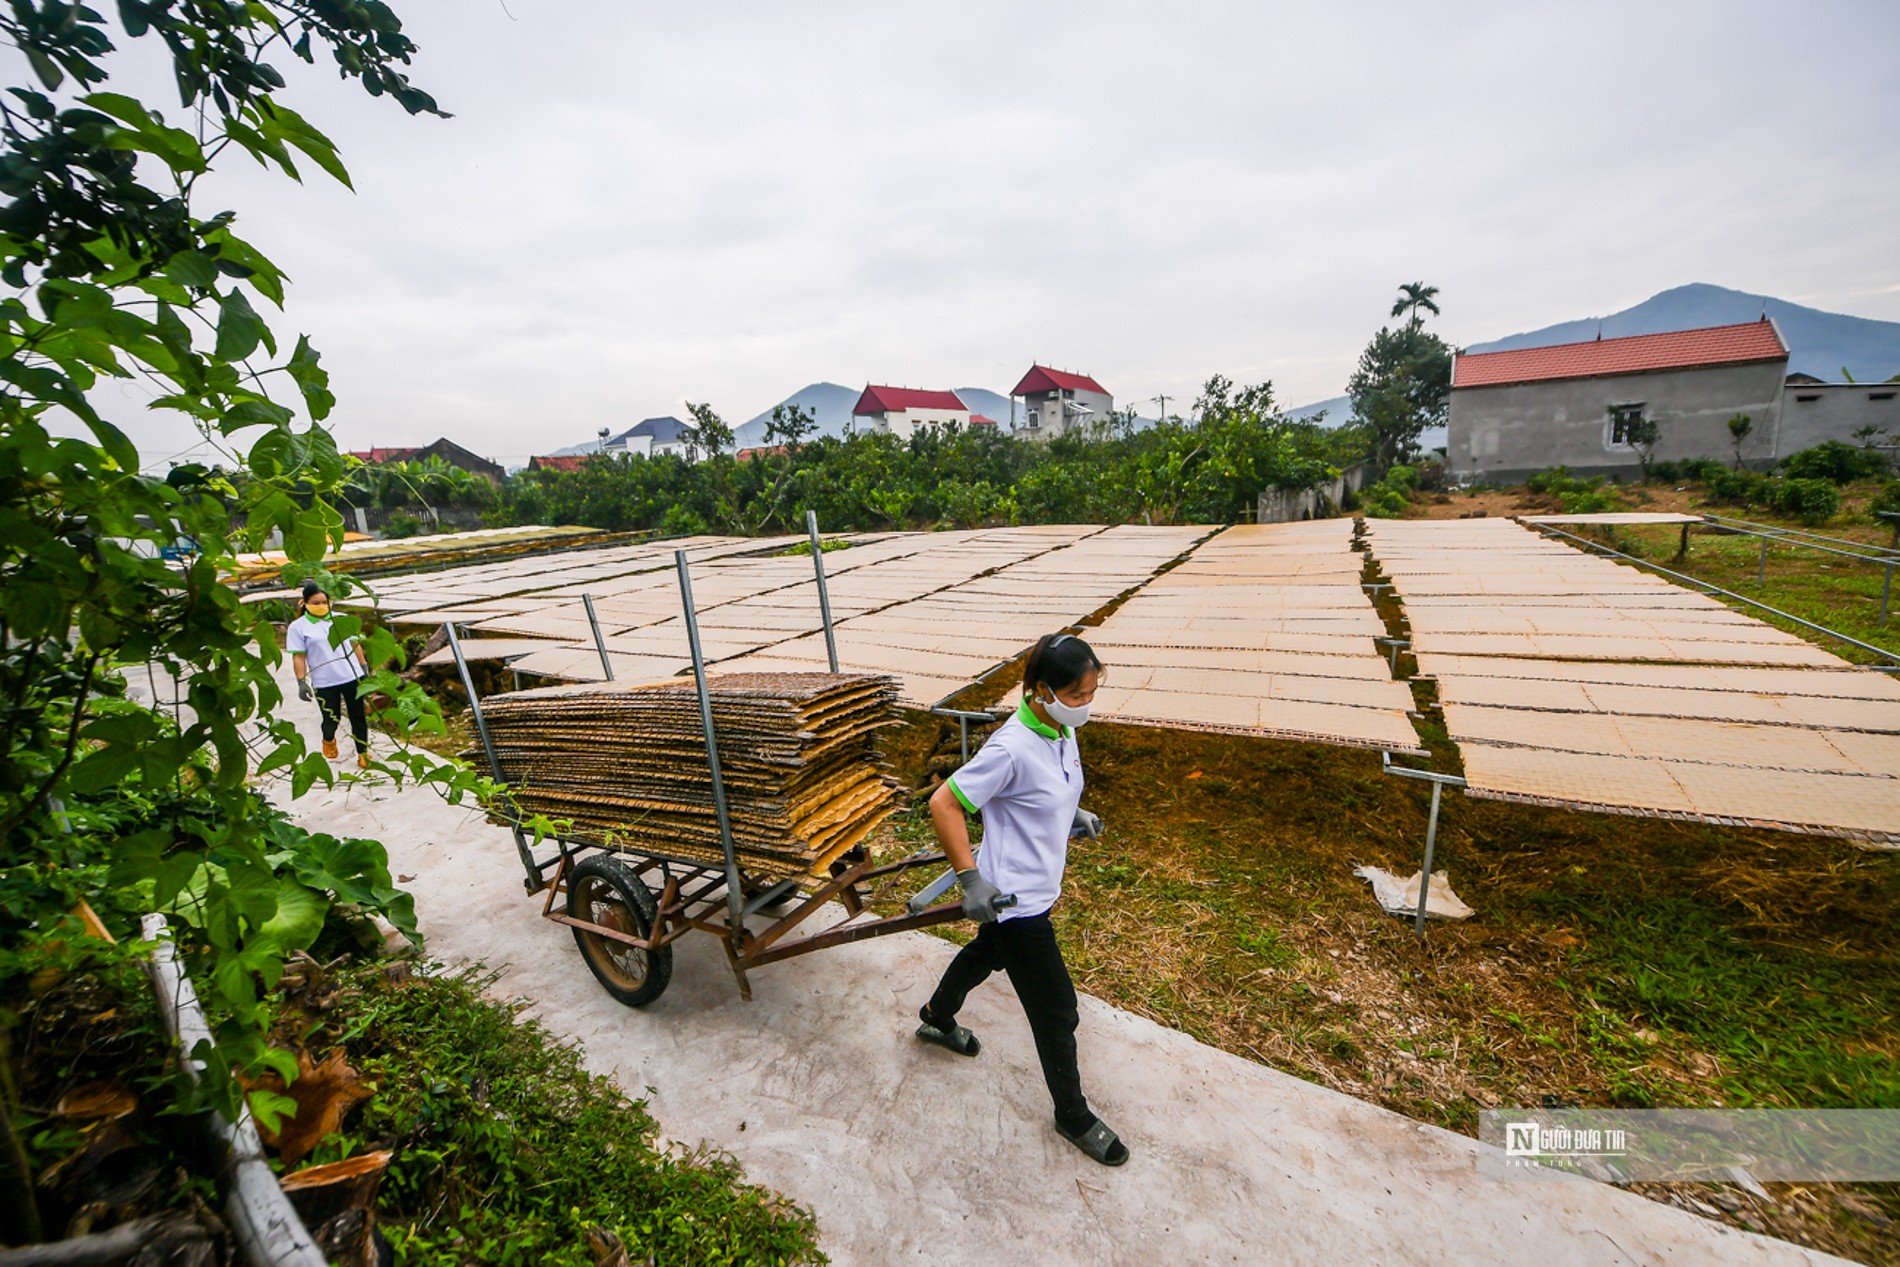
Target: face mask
1070	715
317	609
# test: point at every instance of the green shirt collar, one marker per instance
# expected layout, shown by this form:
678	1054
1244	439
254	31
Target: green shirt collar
1027	716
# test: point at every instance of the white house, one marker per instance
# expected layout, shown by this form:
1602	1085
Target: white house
650	438
1056	402
899	411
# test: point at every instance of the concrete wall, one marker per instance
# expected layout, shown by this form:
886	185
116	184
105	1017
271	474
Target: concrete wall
1044	416
1285	505
1813	412
632	446
1506	433
902	422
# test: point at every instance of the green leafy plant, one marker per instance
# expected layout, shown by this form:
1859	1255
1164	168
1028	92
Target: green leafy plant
1740	427
1812	501
104	799
400	525
1402	384
1388	498
508	1149
1835	461
1738	488
1209	470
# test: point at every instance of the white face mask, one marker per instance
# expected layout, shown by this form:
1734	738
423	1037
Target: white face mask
1070	715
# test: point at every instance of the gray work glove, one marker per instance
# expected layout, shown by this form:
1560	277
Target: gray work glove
303	690
1086	824
978	894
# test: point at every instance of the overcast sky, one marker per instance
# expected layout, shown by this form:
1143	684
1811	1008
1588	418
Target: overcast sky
637	204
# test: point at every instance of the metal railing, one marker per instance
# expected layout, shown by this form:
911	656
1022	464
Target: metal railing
1701	584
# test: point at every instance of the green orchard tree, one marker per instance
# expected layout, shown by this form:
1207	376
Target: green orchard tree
1403	381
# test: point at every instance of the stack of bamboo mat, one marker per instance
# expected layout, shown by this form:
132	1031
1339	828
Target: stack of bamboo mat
627	764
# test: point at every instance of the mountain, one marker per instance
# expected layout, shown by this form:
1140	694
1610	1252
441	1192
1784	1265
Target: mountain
832	404
1338	411
987	403
1819	343
829	403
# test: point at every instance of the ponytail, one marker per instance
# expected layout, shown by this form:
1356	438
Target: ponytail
1058	661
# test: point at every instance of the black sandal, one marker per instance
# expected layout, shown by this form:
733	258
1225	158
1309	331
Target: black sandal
1098	1142
956	1038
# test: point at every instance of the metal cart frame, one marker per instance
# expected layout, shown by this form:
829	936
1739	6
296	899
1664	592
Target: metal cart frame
677	895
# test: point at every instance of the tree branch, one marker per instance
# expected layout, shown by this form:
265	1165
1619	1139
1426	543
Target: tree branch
66	759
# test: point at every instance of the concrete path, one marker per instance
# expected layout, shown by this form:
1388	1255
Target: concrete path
909	1153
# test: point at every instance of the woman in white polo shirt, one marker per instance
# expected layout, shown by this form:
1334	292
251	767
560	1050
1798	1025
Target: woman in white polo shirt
1026	782
334	670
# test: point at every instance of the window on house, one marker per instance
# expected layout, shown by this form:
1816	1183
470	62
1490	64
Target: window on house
1622	417
1879	395
1809	396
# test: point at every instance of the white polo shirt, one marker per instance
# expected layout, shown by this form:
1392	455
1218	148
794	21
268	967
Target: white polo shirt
329	666
1026	781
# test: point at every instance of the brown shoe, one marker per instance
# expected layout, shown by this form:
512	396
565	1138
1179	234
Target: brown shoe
362	761
329	749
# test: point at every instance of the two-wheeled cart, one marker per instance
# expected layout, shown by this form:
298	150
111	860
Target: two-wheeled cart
627	906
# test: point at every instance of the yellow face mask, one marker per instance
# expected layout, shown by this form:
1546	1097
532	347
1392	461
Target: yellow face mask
318	607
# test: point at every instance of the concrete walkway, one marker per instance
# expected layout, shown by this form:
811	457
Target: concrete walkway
909	1153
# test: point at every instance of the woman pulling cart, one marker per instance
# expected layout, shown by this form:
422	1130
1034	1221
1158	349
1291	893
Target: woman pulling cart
1026	782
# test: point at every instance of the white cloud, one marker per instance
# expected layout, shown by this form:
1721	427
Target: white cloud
641	203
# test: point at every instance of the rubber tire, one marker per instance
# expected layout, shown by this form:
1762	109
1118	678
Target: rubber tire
603	890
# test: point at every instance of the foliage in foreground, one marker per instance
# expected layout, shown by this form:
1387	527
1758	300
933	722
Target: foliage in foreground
113	277
508	1149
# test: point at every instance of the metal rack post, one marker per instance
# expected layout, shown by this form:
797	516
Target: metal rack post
488	747
735	895
1438	782
600	643
824	594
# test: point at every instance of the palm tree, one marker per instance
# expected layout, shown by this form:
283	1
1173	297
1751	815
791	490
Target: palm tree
1415	295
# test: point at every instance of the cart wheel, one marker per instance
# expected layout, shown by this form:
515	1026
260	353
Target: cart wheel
602	890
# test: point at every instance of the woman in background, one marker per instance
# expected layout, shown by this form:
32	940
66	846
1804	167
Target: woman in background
333	669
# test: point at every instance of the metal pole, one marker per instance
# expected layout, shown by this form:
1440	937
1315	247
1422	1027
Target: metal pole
1425	876
735	895
600	643
488	747
1886	593
824	595
1761	569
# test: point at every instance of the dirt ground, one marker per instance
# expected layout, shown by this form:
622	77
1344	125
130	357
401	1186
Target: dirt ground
1613	961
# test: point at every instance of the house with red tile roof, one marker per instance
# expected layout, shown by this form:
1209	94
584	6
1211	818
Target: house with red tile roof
561	462
1524	410
899	411
444	448
1057	402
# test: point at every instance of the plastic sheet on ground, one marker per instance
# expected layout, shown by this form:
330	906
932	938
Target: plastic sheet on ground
1400	897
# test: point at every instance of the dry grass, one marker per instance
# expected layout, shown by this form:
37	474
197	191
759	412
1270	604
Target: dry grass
1613	961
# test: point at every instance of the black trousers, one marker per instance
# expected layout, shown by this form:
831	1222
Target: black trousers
1026	950
332	701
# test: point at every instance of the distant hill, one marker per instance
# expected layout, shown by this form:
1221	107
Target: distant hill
1819	343
988	403
831	405
1338	411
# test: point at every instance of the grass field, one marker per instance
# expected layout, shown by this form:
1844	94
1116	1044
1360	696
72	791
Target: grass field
1613	961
